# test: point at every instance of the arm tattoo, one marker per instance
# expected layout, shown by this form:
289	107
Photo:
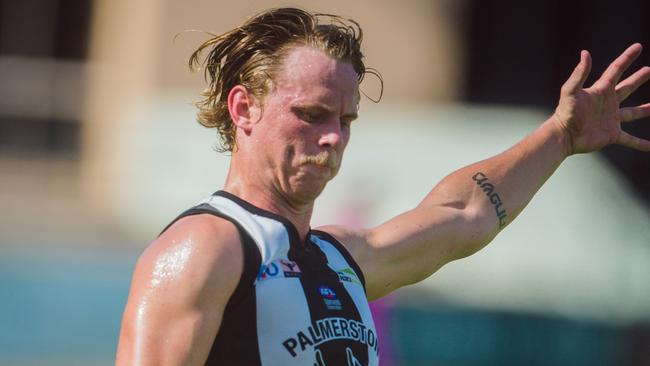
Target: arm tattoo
482	181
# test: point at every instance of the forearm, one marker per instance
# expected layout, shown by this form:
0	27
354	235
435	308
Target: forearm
494	191
470	206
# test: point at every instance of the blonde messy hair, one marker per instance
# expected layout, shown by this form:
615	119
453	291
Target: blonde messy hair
251	55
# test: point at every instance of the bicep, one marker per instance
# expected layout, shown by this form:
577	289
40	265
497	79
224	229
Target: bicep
410	247
179	290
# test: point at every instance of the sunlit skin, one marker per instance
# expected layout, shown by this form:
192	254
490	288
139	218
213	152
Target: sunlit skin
179	290
289	149
291	144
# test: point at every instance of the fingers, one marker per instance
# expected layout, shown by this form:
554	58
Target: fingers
579	74
633	142
632	83
628	114
616	69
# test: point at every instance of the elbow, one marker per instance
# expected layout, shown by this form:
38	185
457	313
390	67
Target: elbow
479	230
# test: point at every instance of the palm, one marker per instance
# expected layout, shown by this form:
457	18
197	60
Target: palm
592	116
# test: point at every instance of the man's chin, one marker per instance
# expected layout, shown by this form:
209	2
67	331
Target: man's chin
309	191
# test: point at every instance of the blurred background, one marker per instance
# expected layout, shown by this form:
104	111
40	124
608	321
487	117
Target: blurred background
99	150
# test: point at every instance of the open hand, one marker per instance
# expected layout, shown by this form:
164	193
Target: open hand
592	116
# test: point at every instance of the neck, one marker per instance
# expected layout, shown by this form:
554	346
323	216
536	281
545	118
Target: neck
268	198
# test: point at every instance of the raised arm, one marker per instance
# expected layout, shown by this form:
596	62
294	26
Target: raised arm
180	288
468	208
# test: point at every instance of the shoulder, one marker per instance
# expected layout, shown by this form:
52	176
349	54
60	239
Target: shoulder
181	285
203	232
353	240
369	257
196	252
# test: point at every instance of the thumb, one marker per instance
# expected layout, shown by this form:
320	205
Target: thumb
579	74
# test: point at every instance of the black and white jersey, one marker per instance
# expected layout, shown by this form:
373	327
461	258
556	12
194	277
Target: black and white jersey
297	303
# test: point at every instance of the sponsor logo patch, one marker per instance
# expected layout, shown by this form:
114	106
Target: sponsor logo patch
268	271
290	268
279	268
348	275
329	296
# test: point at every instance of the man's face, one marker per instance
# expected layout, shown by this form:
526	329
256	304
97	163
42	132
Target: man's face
305	124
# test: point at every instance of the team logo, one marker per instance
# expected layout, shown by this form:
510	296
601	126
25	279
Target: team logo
352	361
329	329
329	296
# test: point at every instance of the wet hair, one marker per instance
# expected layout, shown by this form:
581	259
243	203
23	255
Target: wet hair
252	54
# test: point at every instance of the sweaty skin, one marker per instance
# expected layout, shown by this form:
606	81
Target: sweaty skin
287	152
169	265
307	113
178	293
185	277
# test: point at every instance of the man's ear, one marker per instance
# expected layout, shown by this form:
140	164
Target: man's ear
243	107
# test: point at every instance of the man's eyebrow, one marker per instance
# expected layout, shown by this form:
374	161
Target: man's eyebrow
312	107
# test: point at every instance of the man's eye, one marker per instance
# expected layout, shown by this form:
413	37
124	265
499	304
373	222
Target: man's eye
345	122
307	117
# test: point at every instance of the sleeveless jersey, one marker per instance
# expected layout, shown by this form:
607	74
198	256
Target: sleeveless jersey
297	303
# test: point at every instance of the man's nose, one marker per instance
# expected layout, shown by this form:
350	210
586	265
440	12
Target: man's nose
330	139
331	135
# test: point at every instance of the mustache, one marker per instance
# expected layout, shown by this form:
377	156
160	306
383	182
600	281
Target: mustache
324	158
